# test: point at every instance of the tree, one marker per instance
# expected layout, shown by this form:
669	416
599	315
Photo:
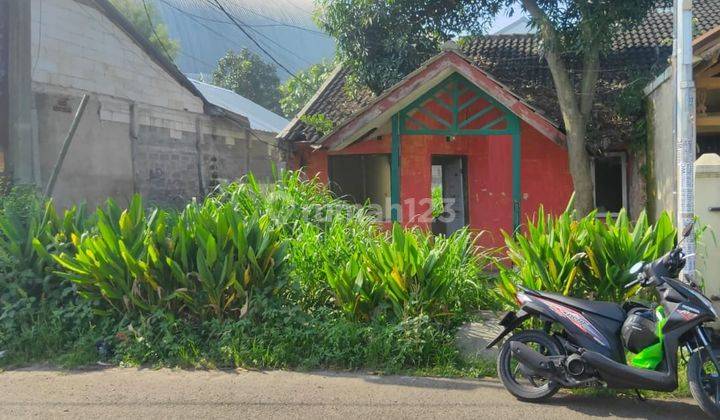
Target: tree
157	33
376	41
298	90
248	75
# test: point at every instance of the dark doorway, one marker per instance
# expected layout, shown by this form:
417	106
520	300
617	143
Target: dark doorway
449	192
708	143
362	179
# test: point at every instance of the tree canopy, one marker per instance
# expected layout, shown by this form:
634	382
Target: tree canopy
382	41
298	90
135	12
246	74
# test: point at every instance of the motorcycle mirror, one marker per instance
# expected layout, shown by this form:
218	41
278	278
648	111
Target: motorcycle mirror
637	267
688	229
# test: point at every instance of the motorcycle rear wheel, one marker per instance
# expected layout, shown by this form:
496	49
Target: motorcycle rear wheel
527	387
704	382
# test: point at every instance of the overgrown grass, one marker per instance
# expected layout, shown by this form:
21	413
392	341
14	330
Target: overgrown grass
244	279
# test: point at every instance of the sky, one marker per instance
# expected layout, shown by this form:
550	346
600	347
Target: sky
503	20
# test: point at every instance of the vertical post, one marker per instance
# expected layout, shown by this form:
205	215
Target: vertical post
395	170
685	126
4	103
66	146
514	123
20	92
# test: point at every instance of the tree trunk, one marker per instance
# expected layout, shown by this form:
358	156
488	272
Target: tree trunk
575	111
579	161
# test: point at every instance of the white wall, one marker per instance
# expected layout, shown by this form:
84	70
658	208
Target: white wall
142	130
661	150
76	46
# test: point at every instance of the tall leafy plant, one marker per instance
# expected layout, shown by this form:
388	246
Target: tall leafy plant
408	265
585	257
616	245
204	262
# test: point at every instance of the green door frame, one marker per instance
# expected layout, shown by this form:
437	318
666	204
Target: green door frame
455	86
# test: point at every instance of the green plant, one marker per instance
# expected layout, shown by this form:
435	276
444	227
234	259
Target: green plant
319	122
298	90
438	206
355	294
279	275
408	267
247	74
586	257
616	245
204	261
546	257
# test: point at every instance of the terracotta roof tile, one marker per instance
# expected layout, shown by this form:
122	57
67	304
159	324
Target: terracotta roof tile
516	61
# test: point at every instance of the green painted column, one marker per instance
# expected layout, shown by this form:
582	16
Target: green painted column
395	169
516	169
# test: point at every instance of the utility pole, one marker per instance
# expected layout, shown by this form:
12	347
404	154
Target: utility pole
685	127
19	42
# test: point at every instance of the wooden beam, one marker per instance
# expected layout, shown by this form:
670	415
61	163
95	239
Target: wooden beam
708	120
712	83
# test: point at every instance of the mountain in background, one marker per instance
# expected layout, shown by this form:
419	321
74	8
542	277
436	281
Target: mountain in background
283	27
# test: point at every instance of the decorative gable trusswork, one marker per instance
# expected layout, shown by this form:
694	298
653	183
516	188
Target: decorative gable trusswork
517	62
462	109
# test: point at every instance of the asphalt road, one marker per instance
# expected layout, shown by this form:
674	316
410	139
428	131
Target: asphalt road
133	393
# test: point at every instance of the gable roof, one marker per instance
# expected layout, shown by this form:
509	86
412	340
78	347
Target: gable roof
379	110
117	18
260	118
516	62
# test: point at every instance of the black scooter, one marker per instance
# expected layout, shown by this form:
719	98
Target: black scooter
581	346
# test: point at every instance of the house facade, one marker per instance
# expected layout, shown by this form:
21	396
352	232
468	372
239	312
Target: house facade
448	125
147	129
482	122
661	98
662	156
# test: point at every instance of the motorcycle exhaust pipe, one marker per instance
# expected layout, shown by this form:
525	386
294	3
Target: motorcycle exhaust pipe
621	376
532	360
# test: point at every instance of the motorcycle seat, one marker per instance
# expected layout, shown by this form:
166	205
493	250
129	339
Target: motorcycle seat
609	310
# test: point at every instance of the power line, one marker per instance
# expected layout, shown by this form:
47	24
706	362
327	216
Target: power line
289	25
277	23
195	18
254	41
157	37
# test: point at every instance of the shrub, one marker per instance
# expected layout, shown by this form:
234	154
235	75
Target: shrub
585	257
279	275
412	273
204	261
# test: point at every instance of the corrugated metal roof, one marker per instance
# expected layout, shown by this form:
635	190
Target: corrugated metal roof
260	118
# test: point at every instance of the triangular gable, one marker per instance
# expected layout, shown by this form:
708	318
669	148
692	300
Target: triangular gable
380	110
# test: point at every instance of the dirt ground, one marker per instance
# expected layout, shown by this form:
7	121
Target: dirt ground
146	393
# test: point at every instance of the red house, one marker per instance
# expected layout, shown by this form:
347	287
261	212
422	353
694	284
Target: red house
496	149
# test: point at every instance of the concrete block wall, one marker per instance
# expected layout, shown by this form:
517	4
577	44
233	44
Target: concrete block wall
98	164
166	167
142	129
75	46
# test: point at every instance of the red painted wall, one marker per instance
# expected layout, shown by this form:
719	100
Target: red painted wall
545	175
